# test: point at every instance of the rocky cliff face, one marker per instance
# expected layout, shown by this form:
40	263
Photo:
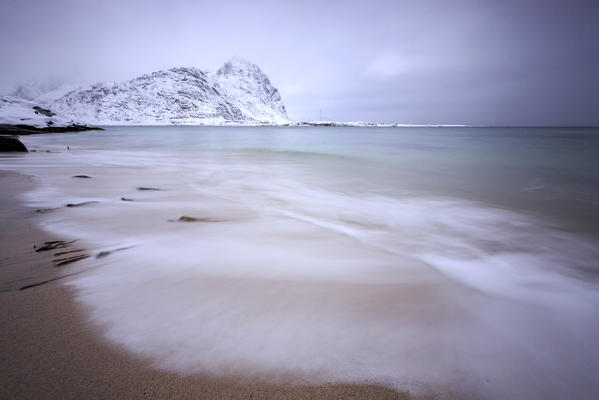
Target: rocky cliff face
238	91
249	89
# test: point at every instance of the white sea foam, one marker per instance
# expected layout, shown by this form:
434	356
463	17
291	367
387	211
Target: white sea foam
310	281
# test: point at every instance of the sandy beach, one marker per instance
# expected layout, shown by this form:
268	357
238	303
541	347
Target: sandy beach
222	264
48	350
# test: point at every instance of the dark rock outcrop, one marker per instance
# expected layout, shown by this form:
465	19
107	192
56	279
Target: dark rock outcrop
54	244
105	253
85	203
185	218
43	111
11	143
7	129
68	260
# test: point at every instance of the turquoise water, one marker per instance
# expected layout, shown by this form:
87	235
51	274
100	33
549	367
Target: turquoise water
553	171
425	259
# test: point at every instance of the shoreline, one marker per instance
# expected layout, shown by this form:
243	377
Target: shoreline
24	129
49	350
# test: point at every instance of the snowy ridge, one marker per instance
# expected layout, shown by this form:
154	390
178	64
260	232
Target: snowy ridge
18	111
238	92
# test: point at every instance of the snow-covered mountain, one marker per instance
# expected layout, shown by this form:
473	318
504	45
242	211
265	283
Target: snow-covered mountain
238	91
18	111
250	90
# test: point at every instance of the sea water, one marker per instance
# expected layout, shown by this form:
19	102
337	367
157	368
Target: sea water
451	260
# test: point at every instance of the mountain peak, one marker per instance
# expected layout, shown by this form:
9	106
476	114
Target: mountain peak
238	91
241	62
241	77
239	66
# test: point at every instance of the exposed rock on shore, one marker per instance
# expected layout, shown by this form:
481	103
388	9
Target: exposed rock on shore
53	245
20	129
68	260
85	203
11	144
105	253
185	218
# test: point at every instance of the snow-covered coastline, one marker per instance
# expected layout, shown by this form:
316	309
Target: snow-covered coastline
31	113
18	111
238	94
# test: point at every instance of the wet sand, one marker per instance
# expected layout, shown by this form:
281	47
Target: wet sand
48	350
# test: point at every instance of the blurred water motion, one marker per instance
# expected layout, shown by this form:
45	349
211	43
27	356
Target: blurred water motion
425	257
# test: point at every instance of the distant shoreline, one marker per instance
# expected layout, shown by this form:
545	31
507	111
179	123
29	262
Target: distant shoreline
22	129
7	129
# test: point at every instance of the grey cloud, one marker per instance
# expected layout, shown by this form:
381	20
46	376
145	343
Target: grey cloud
475	62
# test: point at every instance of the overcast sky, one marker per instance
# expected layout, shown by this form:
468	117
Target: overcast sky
456	62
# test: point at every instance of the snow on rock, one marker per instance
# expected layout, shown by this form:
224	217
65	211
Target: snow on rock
17	111
250	90
238	92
